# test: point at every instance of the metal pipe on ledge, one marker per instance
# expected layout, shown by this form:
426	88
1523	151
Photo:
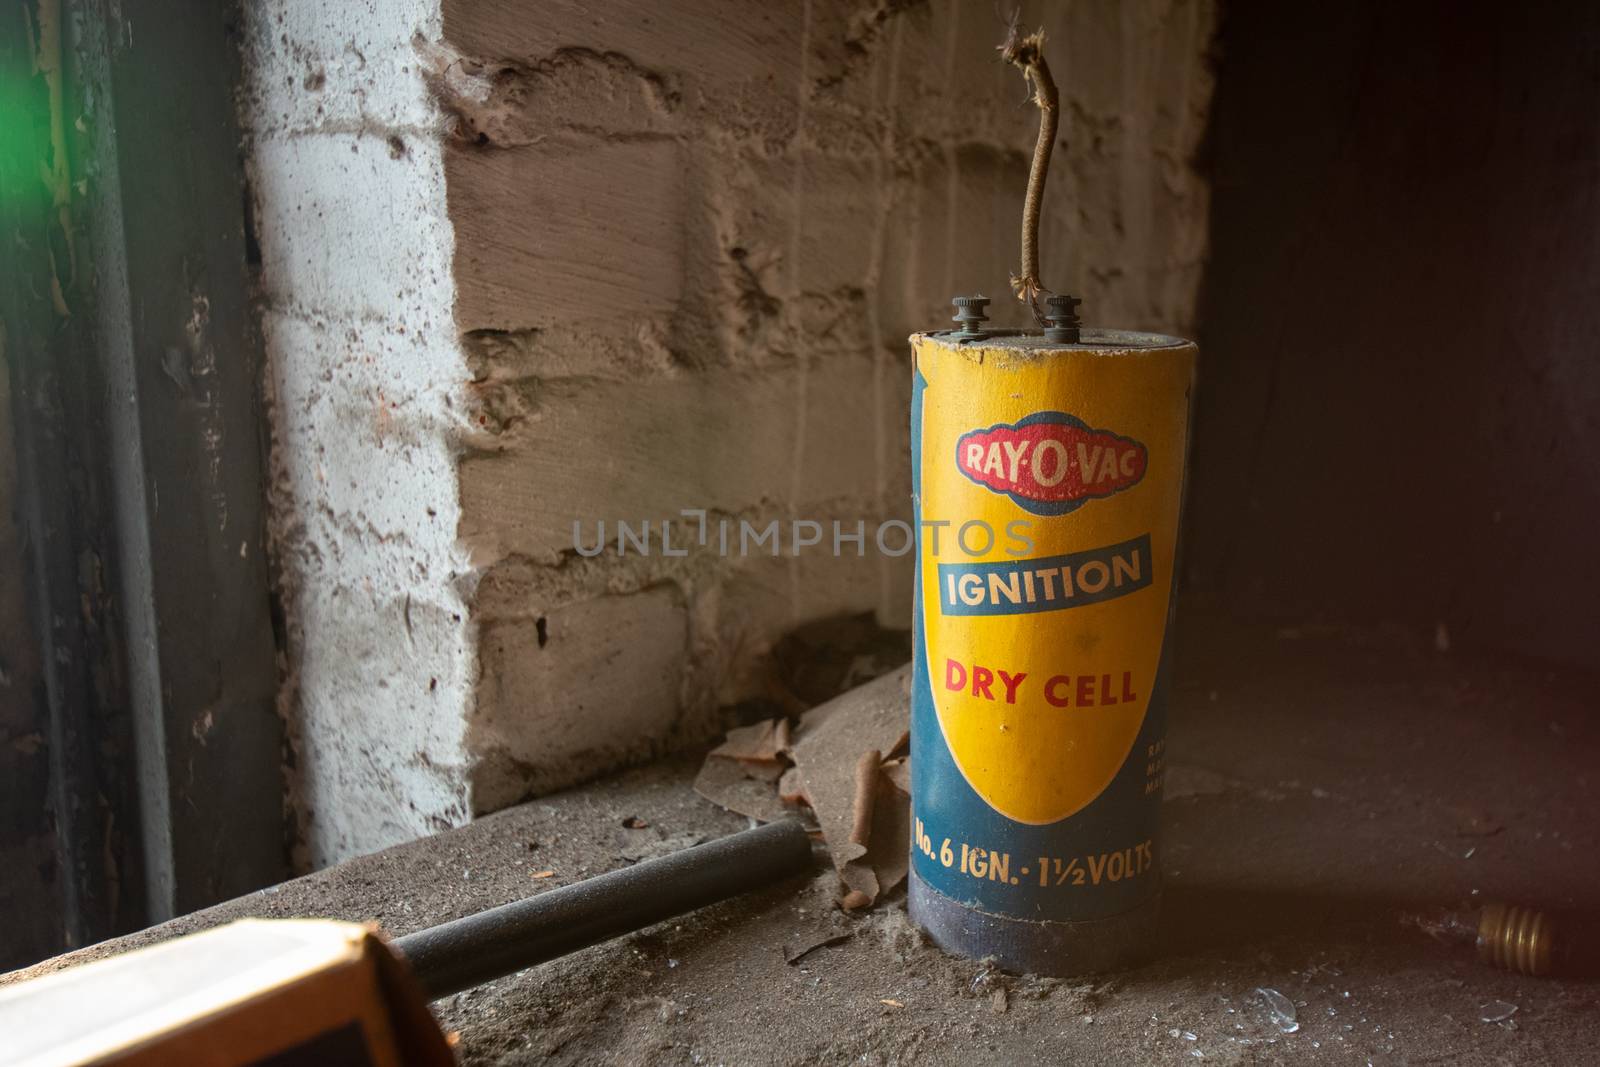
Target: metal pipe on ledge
478	948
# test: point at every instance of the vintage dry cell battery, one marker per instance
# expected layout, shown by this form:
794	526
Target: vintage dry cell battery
1049	476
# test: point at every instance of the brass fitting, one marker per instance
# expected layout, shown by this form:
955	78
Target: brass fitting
1515	938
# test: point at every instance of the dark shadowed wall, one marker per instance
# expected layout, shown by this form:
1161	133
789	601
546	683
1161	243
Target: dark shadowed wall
1400	409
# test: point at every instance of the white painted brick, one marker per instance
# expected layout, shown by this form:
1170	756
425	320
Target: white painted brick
377	729
362	366
363	454
348	230
338	65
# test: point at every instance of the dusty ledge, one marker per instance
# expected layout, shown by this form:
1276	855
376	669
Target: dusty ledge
1322	782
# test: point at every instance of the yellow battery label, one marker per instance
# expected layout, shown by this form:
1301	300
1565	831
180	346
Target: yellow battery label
1049	485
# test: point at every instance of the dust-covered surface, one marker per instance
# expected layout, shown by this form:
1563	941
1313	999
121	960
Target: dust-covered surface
843	772
1320	785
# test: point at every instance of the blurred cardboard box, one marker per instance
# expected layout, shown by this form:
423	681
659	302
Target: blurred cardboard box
268	993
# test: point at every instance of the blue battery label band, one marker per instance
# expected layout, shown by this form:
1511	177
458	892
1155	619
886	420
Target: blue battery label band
1051	583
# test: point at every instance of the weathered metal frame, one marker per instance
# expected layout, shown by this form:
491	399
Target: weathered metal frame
141	438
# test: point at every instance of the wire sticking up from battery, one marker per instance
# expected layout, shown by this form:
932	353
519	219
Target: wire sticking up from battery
1026	52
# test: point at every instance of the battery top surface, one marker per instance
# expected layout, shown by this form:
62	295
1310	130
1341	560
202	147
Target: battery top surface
1032	342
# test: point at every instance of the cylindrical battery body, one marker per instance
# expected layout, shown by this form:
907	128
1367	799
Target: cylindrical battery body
1048	486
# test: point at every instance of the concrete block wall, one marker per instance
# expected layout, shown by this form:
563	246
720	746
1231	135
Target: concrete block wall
691	241
532	263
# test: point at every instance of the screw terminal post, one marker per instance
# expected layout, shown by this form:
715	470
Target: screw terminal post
970	315
1062	324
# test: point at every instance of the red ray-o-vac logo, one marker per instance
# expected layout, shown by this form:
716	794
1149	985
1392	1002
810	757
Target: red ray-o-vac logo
1051	463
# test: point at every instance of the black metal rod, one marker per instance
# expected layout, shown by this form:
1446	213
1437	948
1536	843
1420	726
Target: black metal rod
477	948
